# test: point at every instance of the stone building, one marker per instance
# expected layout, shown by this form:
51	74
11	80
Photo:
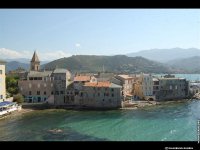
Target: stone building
126	82
61	81
170	88
143	88
100	95
40	86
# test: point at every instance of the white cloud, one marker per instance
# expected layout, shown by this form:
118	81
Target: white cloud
53	55
12	54
77	45
43	55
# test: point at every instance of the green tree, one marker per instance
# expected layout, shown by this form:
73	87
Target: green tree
18	98
12	85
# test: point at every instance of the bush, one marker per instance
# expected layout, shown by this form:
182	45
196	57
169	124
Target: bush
18	98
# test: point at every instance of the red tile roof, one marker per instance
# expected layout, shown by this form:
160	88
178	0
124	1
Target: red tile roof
82	78
98	84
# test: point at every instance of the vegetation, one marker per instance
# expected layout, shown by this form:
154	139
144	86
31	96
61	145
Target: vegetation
116	64
11	85
18	98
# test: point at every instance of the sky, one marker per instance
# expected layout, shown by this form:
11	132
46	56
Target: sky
57	33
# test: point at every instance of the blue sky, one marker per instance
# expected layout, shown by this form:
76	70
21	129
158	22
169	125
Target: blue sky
56	33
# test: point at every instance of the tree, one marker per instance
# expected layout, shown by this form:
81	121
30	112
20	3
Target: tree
18	98
11	84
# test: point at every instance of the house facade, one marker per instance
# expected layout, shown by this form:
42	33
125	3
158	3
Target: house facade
143	88
2	81
100	95
41	86
170	88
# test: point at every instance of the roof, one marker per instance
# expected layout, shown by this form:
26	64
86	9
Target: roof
6	103
60	70
35	58
155	79
125	76
39	74
98	84
115	85
82	78
129	95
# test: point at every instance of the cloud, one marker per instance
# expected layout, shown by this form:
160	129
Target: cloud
77	45
43	55
12	54
54	55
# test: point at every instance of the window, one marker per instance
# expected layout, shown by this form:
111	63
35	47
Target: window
45	99
112	90
31	78
30	85
57	92
30	93
45	85
51	92
45	93
170	87
98	94
61	92
112	95
38	92
1	96
1	71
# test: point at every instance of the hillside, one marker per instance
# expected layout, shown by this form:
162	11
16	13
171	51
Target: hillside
165	55
117	64
13	65
190	65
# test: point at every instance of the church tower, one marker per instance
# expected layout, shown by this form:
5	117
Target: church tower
35	63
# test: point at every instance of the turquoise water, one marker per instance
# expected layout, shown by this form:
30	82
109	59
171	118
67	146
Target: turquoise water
167	122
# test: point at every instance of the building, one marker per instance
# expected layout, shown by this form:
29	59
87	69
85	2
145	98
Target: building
40	86
37	86
126	82
100	95
170	88
2	81
143	88
80	80
61	81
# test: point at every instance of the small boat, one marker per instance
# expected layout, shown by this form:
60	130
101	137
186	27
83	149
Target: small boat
7	107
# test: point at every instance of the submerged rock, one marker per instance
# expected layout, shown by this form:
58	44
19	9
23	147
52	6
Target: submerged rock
55	131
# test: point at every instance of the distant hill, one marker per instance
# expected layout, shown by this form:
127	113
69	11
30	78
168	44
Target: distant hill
117	64
165	55
190	65
13	65
24	60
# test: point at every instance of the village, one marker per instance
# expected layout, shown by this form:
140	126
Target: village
60	88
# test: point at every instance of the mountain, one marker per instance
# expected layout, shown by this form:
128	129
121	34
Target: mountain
117	64
13	65
165	55
190	65
24	60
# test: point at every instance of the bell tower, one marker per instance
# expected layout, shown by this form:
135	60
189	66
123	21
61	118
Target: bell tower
35	63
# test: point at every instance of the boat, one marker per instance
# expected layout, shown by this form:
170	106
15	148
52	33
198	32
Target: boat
7	107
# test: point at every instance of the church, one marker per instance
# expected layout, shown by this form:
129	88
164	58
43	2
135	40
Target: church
39	85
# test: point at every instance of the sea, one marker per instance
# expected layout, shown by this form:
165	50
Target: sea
170	121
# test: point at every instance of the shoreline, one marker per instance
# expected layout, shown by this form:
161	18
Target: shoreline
133	105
